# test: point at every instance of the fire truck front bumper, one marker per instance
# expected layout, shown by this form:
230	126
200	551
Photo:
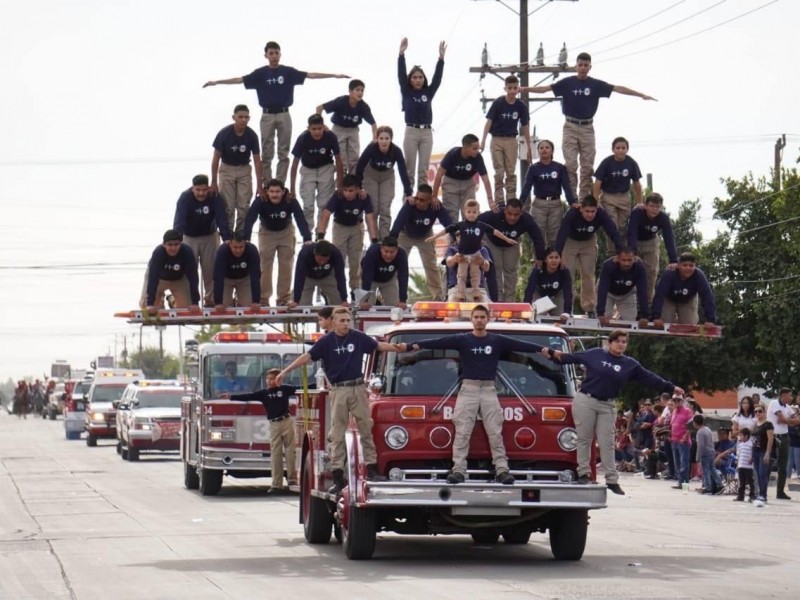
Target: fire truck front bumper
235	459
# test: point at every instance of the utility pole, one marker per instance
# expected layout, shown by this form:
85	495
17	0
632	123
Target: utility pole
523	69
780	144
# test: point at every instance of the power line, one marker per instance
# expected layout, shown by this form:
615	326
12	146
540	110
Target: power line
768	225
759	281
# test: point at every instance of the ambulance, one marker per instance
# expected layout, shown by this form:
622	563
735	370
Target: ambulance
104	394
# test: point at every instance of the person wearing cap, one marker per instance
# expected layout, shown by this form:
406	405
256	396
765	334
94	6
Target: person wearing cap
384	269
680	439
172	267
199	215
237	269
275	399
607	372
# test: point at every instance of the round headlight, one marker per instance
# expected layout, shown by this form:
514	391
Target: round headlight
396	437
568	439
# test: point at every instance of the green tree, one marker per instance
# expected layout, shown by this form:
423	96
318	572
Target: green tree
154	366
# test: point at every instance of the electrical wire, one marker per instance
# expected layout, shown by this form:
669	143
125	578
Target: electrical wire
768	225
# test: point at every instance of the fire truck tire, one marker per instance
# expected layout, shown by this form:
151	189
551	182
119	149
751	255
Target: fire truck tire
190	479
210	482
568	534
317	520
133	454
359	534
91	440
517	537
485	537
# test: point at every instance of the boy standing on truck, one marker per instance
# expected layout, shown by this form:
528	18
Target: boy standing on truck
275	398
480	353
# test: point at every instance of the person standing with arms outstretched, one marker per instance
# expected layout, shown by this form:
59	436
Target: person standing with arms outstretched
607	372
580	96
274	85
417	96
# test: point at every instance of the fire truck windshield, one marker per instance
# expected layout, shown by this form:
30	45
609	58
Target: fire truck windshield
108	393
160	399
234	373
433	372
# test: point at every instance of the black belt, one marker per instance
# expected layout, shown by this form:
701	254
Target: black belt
415	126
579	121
595	397
281	418
548	198
348	383
275	111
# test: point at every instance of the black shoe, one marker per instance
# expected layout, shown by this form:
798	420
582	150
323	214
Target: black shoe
677	487
783	496
614	487
338	482
583	479
505	477
591	314
718	491
455	477
374	475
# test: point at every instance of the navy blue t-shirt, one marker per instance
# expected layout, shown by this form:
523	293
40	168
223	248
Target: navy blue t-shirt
580	97
307	267
574	226
345	115
525	224
275	400
314	154
236	149
472	233
276	217
374	269
547	181
172	268
195	218
607	374
616	175
349	212
479	355
457	167
417	103
550	284
681	291
417	224
613	280
228	266
507	118
343	356
384	161
642	228
275	87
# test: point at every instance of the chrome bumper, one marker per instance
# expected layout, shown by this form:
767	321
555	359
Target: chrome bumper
235	459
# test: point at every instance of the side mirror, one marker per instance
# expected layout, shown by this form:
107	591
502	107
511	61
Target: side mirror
115	404
123	406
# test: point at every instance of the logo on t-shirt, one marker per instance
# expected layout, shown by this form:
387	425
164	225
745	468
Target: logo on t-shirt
625	172
243	265
206	210
555	285
590	228
515	115
482	350
280	79
242	148
424	98
654	228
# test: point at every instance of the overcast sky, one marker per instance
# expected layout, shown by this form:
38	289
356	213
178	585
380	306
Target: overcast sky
105	122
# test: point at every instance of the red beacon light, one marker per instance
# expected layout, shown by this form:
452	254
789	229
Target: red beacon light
462	310
251	336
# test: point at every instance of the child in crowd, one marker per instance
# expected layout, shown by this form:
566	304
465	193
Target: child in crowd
744	464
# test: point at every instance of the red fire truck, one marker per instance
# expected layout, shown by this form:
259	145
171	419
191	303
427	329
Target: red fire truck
220	437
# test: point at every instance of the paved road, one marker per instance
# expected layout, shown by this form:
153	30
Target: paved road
78	522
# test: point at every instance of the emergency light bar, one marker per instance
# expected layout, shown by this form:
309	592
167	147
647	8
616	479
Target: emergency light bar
462	310
250	336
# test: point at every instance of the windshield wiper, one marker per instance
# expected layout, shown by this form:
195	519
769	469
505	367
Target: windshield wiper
506	380
448	394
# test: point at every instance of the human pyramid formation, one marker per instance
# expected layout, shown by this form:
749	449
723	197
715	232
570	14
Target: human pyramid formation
337	180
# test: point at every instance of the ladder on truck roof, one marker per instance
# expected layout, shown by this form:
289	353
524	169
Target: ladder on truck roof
578	323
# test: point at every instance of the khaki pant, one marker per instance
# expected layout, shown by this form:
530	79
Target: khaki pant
350	400
467	268
480	294
270	125
349	146
390	292
316	188
478	397
504	160
244	292
236	188
618	207
380	187
455	192
625	305
584	255
350	242
506	268
595	418
427	255
281	243
686	313
548	215
179	290
558	300
205	249
579	140
417	148
649	251
281	440
327	287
